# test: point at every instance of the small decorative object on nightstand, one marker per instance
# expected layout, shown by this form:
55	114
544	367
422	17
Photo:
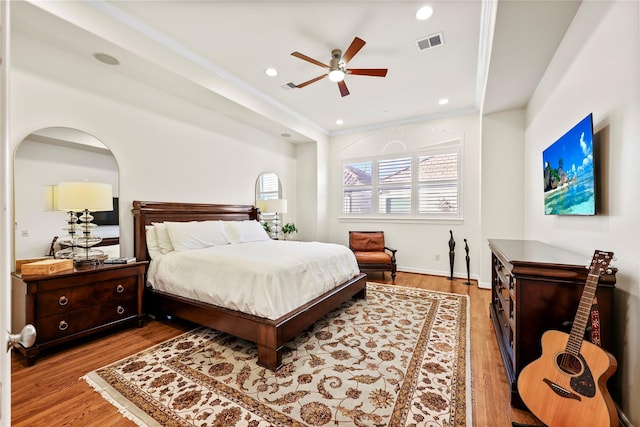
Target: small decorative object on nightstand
68	305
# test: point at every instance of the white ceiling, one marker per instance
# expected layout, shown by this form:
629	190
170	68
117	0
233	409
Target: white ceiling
214	53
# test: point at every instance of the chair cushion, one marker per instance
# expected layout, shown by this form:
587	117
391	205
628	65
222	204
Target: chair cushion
362	242
369	257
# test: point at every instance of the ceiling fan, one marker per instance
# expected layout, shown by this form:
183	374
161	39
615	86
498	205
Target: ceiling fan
338	66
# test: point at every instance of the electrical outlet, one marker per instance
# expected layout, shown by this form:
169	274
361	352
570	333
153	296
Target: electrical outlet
437	257
25	233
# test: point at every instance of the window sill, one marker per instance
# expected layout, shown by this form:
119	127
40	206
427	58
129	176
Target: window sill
401	220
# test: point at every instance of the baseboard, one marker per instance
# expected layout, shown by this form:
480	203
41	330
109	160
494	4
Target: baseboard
456	275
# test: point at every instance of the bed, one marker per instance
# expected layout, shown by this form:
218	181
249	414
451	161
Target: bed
270	335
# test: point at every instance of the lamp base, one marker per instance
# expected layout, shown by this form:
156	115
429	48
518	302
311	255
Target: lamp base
87	262
82	256
276	227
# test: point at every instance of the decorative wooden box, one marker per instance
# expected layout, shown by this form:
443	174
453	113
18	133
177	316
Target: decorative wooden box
47	266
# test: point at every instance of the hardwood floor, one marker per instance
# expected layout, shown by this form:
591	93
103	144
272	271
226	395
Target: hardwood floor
51	393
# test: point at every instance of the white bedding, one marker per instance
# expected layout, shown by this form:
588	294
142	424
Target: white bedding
266	278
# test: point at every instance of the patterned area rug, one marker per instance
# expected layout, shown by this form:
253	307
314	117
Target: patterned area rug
398	358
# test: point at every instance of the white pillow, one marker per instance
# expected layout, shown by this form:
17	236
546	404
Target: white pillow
163	237
196	234
153	247
246	231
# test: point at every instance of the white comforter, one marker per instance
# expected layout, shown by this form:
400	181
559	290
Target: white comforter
266	279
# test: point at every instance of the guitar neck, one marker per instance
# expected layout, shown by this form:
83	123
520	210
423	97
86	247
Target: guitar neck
582	316
599	264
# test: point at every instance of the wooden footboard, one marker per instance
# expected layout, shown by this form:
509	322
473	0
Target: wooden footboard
269	335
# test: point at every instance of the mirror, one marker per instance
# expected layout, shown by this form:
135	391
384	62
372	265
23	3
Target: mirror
44	159
267	187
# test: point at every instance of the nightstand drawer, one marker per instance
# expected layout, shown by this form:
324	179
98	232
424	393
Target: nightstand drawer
66	324
73	298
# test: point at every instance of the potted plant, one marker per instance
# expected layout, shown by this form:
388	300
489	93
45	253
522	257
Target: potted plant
266	227
288	229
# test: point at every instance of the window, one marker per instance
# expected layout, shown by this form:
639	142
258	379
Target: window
394	186
438	184
356	182
424	184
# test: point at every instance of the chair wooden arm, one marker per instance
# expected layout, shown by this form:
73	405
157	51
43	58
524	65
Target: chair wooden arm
393	252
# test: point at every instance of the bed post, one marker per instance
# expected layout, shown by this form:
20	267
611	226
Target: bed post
269	352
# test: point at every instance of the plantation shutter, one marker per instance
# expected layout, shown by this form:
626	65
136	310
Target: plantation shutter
438	183
356	188
394	186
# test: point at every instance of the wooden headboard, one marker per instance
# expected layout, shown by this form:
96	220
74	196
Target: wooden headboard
144	213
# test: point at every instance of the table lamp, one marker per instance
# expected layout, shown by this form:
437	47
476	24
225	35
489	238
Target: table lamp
85	197
276	206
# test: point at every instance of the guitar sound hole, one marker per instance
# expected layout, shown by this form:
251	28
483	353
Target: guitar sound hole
569	364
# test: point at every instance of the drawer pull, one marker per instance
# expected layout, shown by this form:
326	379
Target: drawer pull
63	300
120	309
63	325
119	289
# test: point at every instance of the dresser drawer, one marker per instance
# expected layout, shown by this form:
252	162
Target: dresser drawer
65	324
73	298
504	330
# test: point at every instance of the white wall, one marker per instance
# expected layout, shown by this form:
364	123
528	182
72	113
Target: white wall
159	157
597	69
306	198
502	180
418	242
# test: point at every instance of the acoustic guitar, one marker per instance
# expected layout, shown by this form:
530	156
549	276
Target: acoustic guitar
566	386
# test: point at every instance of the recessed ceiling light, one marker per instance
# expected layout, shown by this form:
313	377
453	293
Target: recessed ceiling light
106	59
271	72
339	121
443	101
424	13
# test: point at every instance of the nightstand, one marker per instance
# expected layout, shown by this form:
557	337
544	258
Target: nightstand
79	303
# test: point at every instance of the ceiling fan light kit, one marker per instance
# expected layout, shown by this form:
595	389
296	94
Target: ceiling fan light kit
337	68
336	75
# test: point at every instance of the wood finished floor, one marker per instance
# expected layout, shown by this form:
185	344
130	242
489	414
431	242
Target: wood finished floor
51	393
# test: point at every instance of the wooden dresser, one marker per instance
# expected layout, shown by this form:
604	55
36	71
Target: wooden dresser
74	304
536	287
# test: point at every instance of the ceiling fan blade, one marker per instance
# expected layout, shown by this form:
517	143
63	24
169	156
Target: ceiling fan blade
306	58
353	48
343	88
375	72
308	82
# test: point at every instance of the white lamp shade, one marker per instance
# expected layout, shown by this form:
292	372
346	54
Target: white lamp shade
262	205
78	196
50	198
276	205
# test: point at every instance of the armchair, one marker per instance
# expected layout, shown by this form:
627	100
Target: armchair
371	253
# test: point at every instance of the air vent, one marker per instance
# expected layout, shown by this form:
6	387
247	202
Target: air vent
288	86
434	40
